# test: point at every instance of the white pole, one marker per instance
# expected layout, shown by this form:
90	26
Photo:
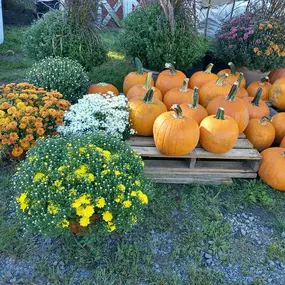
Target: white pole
1	24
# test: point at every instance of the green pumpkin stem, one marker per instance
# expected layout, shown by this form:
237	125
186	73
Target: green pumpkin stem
209	68
195	98
220	115
265	119
263	80
283	153
240	78
184	87
148	80
148	96
171	68
233	68
220	81
255	101
178	111
139	65
233	92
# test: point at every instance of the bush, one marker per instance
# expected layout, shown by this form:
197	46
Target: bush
148	35
62	74
57	35
26	114
80	183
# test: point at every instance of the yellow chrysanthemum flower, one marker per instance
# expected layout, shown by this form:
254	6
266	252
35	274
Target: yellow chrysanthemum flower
90	177
23	201
88	211
107	216
111	227
137	182
100	202
52	209
118	199
82	150
117	172
133	193
122	187
142	197
57	183
85	199
39	177
127	204
72	192
134	219
84	221
63	223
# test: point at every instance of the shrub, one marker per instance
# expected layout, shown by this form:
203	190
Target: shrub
57	35
149	35
97	112
62	74
82	183
26	114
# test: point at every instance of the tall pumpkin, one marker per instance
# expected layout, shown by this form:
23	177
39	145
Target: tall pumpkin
263	84
178	95
278	122
174	133
260	132
218	133
135	77
200	78
102	88
282	143
234	107
276	74
169	78
277	95
233	75
271	170
194	110
143	113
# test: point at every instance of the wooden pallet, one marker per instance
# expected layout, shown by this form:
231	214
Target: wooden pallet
199	166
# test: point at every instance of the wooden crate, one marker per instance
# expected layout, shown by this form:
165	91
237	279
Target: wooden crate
199	166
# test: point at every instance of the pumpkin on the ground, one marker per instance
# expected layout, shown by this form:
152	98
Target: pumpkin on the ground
280	81
282	143
218	133
143	113
278	122
234	107
194	110
276	74
169	78
102	88
200	78
178	95
271	170
233	75
174	133
277	95
263	84
242	92
260	132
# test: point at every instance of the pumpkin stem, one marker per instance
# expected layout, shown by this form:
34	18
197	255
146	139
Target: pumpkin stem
184	87
178	111
221	79
264	120
283	153
240	78
171	68
263	80
255	101
195	99
220	115
233	68
148	96
233	92
139	65
148	80
209	68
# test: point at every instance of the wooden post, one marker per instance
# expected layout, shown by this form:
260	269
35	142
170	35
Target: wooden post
207	17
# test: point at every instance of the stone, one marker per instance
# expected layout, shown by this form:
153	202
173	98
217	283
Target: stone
271	263
13	280
282	264
208	256
209	261
243	232
259	242
244	215
283	234
55	263
210	242
251	219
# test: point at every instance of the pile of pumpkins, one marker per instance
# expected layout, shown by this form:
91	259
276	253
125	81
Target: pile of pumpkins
209	108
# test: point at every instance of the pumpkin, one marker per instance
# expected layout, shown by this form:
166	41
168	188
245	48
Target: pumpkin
282	143
174	133
143	113
102	88
234	107
135	77
260	132
242	93
277	95
178	95
218	133
280	81
213	89
271	170
262	83
169	78
199	78
276	74
194	110
278	122
256	107
233	75
139	90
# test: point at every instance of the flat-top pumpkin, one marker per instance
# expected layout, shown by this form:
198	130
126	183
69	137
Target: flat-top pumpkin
169	78
260	132
234	107
194	110
277	95
218	133
139	90
271	170
135	77
174	133
282	143
102	88
278	122
143	113
178	95
199	78
263	84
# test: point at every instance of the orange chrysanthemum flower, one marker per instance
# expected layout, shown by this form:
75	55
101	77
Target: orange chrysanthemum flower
40	131
17	151
29	137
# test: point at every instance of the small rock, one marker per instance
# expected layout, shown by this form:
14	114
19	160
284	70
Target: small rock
157	266
271	262
210	242
61	263
245	215
243	232
241	207
282	264
55	263
13	280
259	242
283	234
269	280
251	219
238	215
208	256
209	261
152	232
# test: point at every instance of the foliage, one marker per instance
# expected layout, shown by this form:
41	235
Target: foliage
26	114
277	250
149	35
57	34
251	42
16	4
62	74
91	182
97	113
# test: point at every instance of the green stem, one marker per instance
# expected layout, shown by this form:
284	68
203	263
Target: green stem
221	79
139	65
240	78
233	68
220	114
184	87
195	98
263	80
171	68
178	111
233	92
283	153
209	68
265	119
148	80
148	96
255	101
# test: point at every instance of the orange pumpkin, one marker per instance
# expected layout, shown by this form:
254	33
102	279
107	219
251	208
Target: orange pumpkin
260	132
218	133
143	113
262	83
278	122
256	107
178	95
194	110
213	89
282	143
102	88
280	81
135	77
233	75
277	95
174	133
199	78
169	78
271	170
139	90
276	74
234	107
